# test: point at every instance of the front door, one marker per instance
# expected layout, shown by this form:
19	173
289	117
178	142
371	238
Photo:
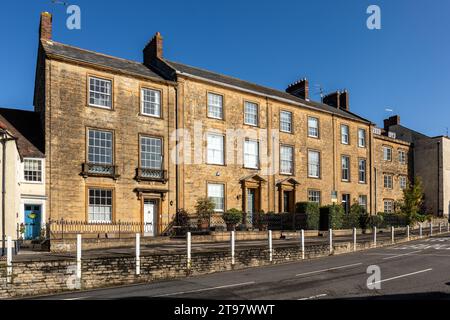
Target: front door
287	201
250	205
150	211
32	221
346	203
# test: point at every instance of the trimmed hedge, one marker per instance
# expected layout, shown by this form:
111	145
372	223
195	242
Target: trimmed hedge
331	217
312	212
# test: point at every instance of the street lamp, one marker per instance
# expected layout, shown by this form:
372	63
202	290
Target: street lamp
5	137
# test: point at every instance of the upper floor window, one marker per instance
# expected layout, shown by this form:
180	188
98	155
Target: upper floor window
313	164
345	168
286	121
345	139
362	170
215	154
100	205
287	159
100	147
361	138
402	156
151	102
251	154
402	182
215	106
216	194
387	153
313	127
100	92
388	181
251	113
32	170
151	153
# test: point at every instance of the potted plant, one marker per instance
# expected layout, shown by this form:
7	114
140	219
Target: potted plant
204	208
232	217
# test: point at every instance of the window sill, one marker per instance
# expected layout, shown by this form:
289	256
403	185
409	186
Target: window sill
100	107
99	170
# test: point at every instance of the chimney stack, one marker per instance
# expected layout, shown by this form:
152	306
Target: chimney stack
154	49
344	100
338	99
391	121
299	89
45	27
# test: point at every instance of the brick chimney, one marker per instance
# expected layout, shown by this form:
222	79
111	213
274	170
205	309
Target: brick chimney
299	89
344	100
391	121
45	26
332	99
154	49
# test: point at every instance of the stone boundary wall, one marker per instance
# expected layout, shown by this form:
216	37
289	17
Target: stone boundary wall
47	277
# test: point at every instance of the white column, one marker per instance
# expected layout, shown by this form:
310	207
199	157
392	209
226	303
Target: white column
354	239
407	232
78	258
374	236
138	253
392	234
330	238
302	232
420	230
232	247
8	260
189	248
270	245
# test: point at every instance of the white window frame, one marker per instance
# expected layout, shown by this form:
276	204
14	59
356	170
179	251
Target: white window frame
402	156
387	156
42	171
313	131
362	138
156	104
388	206
101	206
403	182
284	160
360	170
100	147
289	124
211	151
250	115
222	197
313	167
361	202
346	134
314	194
388	181
247	155
110	94
160	167
345	168
213	105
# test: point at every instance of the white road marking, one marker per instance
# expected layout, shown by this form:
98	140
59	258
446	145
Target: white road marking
314	297
402	255
78	298
206	289
329	269
403	276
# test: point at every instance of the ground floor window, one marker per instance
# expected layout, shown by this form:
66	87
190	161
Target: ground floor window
388	206
100	205
216	195
362	200
314	196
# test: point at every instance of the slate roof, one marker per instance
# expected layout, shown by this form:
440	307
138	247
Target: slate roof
26	127
183	68
103	60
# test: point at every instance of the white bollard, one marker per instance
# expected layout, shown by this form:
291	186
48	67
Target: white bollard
431	229
270	245
232	247
448	227
354	239
392	234
303	243
188	248
138	253
8	260
420	230
78	258
330	236
374	236
440	228
407	232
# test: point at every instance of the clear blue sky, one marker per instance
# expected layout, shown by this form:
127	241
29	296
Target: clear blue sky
404	66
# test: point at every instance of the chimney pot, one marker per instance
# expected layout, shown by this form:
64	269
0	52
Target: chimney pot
299	88
45	27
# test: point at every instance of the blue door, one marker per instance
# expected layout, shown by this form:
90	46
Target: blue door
32	221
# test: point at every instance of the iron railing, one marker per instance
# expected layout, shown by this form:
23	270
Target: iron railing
99	170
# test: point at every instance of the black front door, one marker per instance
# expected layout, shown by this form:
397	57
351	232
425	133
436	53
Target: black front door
346	202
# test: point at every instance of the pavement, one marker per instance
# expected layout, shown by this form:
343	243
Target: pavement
412	270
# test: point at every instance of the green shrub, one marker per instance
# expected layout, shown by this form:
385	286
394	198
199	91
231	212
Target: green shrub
331	217
352	219
312	212
204	208
232	216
